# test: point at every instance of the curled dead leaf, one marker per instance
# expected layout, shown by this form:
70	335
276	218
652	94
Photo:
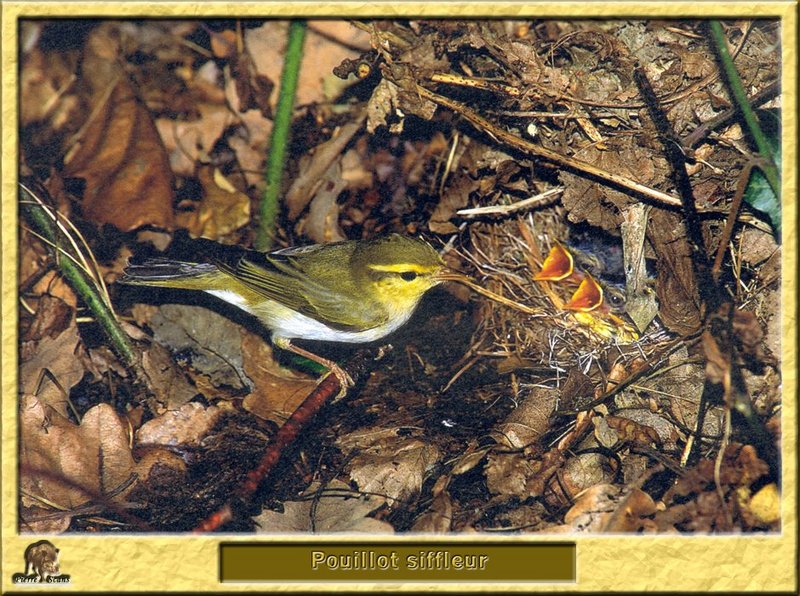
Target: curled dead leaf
79	462
50	368
507	474
312	170
277	392
439	516
222	210
118	152
528	422
185	426
387	464
676	286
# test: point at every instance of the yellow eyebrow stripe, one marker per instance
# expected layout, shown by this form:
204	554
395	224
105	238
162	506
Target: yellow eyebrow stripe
404	267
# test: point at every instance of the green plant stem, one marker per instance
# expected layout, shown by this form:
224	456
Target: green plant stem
280	135
740	97
79	281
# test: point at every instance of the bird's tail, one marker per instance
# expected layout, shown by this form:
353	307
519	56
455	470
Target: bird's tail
167	273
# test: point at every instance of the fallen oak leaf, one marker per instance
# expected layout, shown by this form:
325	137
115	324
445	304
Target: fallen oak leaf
94	457
277	392
388	464
332	509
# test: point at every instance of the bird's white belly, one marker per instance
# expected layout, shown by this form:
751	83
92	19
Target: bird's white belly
289	324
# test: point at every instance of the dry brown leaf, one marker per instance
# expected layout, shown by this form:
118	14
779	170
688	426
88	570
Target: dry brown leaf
57	357
54	284
32	258
698	502
387	464
251	146
101	360
156	464
94	457
507	474
381	104
630	513
324	512
402	97
312	169
209	340
44	77
223	43
38	520
465	181
580	473
276	391
189	141
322	224
53	316
592	508
740	467
630	431
439	516
355	170
676	286
603	433
598	204
185	426
266	44
119	153
170	387
469	459
222	210
526	423
252	88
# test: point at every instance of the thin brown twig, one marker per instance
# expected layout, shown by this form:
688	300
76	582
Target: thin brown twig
741	187
770	91
474	83
511	140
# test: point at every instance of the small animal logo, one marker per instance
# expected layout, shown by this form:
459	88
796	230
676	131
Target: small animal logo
41	565
42	558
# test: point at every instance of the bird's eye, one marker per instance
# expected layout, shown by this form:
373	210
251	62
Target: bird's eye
616	299
409	275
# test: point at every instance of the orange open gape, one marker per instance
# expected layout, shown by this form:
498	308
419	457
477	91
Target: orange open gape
587	301
558	266
588	296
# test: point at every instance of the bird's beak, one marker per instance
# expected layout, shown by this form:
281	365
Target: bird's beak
557	266
587	297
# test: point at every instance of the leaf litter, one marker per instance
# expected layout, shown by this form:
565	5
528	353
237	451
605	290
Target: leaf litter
484	419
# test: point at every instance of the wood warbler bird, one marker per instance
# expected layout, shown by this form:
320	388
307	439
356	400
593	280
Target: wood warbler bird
352	291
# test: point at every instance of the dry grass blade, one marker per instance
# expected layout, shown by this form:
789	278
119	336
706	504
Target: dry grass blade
79	246
541	200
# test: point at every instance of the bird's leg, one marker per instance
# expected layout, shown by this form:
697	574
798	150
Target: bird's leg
345	380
